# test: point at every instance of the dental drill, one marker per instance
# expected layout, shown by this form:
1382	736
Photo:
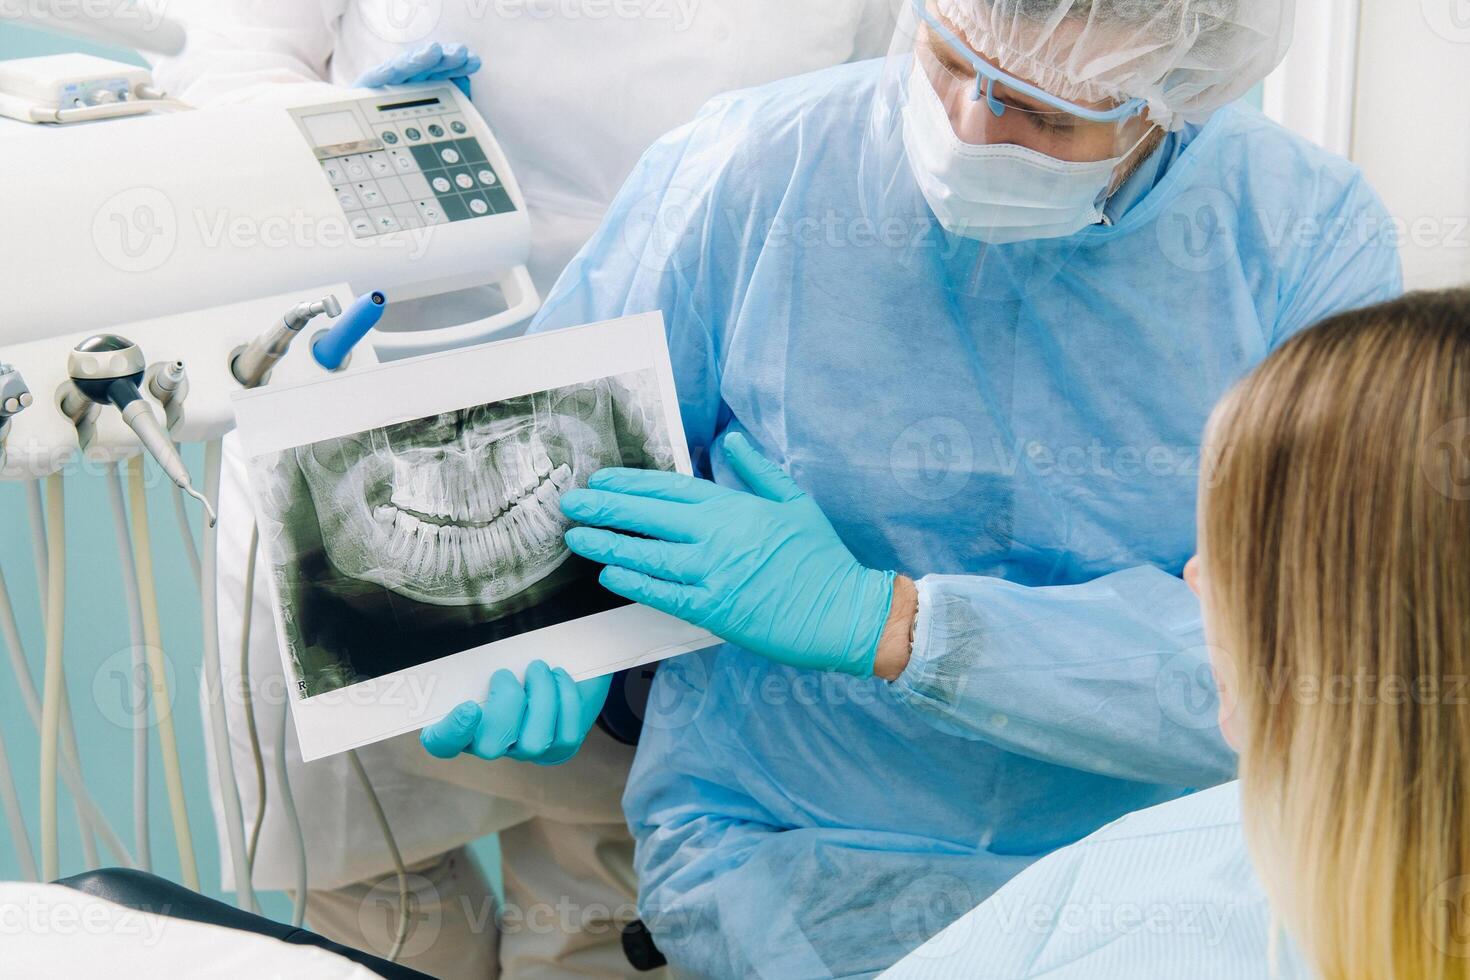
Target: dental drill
15	397
251	365
108	370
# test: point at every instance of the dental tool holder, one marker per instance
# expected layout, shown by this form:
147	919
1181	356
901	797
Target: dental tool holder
169	383
15	398
45	440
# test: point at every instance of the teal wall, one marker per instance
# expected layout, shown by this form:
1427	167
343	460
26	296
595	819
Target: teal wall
97	643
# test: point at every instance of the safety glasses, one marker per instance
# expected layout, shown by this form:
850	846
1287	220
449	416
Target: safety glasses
990	82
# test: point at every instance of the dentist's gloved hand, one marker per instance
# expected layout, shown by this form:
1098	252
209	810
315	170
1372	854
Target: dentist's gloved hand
764	570
543	721
428	63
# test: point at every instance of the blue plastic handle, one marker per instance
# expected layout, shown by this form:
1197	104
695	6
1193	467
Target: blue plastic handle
332	348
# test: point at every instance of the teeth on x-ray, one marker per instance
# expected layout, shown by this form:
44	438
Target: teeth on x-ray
483	507
463	507
476	527
424	537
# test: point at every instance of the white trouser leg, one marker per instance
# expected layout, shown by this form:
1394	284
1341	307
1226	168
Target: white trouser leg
569	890
452	928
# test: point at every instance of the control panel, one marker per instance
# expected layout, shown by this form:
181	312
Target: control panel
396	162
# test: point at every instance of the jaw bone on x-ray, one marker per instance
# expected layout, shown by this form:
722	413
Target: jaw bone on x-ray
406	543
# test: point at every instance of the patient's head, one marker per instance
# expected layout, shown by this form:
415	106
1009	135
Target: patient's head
1335	574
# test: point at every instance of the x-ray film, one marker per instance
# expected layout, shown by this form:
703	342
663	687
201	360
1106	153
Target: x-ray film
412	531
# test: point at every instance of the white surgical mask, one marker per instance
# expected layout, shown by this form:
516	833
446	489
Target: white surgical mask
997	193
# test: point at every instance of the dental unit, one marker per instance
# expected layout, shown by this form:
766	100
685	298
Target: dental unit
127	255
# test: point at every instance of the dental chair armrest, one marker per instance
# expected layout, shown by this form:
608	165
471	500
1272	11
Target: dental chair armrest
144	892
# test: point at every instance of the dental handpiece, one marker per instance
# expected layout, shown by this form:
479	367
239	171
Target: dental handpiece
108	370
252	365
169	384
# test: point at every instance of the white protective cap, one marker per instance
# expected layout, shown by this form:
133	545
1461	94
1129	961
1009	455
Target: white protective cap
1185	58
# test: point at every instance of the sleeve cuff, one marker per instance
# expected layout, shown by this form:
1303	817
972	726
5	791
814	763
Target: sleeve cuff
925	648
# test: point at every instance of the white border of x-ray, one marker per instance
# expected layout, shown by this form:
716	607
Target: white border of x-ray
273	419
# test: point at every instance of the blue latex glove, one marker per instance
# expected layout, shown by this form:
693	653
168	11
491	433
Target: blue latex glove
543	721
764	570
428	63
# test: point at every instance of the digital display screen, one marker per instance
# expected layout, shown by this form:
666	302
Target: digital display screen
332	128
415	104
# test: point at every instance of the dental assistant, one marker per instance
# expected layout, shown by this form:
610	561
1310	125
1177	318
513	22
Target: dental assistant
946	328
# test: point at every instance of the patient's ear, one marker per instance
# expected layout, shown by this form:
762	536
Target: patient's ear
1191	576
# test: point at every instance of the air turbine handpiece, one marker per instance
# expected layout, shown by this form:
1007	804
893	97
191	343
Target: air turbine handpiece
108	369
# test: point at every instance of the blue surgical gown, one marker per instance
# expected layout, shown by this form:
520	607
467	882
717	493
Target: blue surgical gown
1017	427
1164	893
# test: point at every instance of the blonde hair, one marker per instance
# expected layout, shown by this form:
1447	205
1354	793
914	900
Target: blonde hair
1335	540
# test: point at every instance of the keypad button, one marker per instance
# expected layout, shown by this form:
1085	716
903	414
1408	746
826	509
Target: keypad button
435	130
408	216
455	208
441	185
449	155
369	195
361	225
390	137
378	165
425	157
413	134
465	181
500	201
384	220
417	184
393	190
431	212
487	177
347	198
334	170
470	150
459	127
478	205
356	167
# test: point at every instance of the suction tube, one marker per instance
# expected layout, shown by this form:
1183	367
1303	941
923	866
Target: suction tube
331	349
